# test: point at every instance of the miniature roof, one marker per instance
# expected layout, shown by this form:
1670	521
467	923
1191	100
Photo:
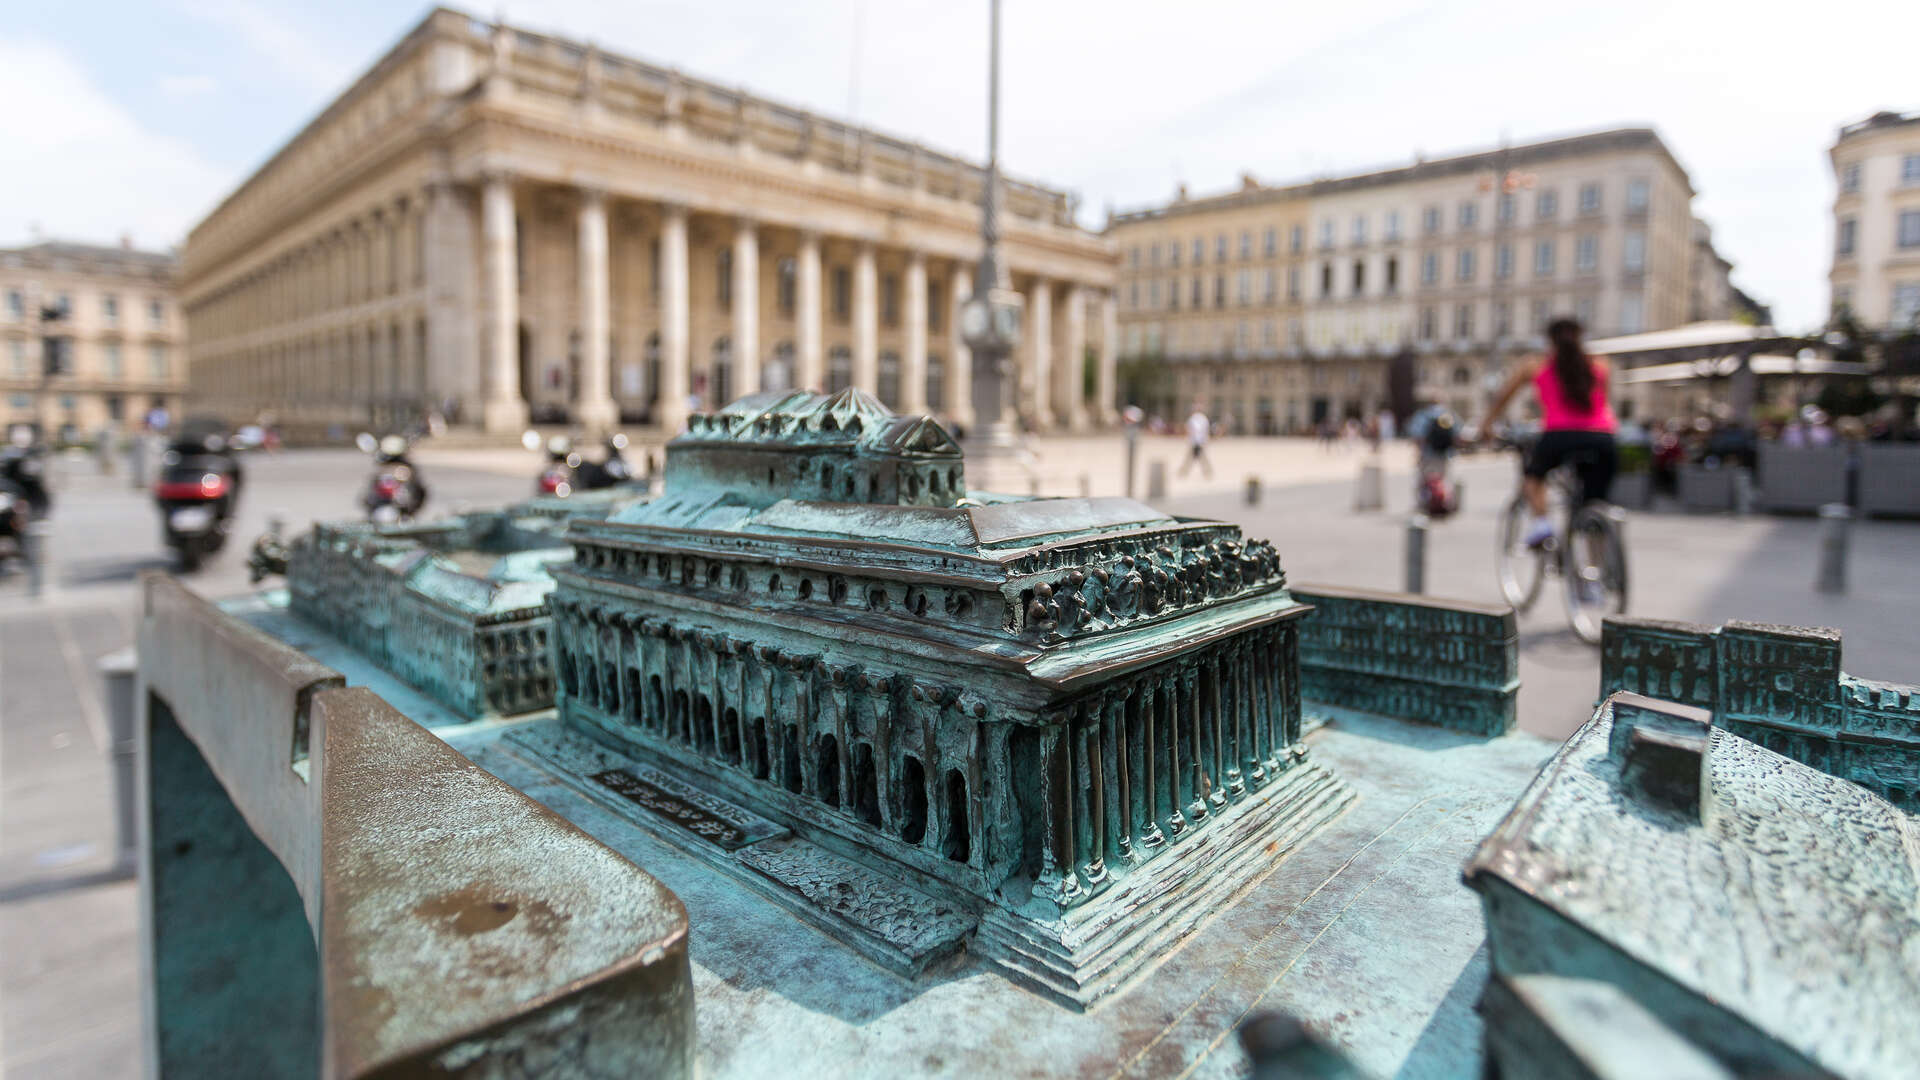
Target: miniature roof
1792	899
851	417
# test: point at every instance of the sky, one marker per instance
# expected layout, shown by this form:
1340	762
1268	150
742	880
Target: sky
135	117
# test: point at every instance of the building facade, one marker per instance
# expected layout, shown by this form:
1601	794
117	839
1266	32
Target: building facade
1336	297
1876	220
501	225
116	341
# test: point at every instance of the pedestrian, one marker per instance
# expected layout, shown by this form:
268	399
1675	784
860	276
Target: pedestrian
1199	430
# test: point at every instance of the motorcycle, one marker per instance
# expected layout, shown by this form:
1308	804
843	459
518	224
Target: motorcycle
197	491
568	471
394	491
24	498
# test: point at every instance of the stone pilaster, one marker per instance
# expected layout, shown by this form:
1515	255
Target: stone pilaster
959	396
1105	383
810	371
746	308
505	410
1069	385
866	320
593	397
913	376
675	371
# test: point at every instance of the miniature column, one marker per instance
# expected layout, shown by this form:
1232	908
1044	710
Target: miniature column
866	320
1069	384
913	379
959	396
504	409
1038	378
1105	382
746	309
671	410
810	373
594	408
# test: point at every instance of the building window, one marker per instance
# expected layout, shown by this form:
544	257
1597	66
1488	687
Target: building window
1392	231
1850	178
157	361
1543	259
1430	268
1326	281
1430	220
1153	293
843	293
1199	250
1219	290
1586	253
1910	228
1583	310
1326	233
1633	314
1133	295
1503	261
1173	253
1910	170
1539	311
1296	238
1503	208
1199	293
1429	323
1246	243
1502	318
1133	256
1463	322
1590	198
1359	277
156	312
17	355
116	367
1296	333
1270	290
723	278
1635	251
786	286
1269	333
1906	303
1546	205
1270	242
1220	248
1173	294
1844	237
1464	268
1638	193
1293	283
21	401
1469	214
890	298
1360	229
1153	255
110	310
16	305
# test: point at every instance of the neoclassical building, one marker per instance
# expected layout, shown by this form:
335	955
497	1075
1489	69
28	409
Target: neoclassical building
504	225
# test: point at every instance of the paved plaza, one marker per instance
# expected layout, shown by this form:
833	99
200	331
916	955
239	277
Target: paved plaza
69	1003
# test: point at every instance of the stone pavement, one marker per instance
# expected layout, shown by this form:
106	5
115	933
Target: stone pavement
69	1005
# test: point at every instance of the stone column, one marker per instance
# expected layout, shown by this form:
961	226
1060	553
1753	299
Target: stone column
1038	378
746	309
671	411
913	374
1105	382
504	410
1069	382
866	320
959	394
810	371
593	398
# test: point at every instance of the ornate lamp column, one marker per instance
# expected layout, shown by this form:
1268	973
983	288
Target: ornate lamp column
990	322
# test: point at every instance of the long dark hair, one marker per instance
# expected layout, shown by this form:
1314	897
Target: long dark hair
1570	363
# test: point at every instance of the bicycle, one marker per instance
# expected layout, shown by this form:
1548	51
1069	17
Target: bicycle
1587	550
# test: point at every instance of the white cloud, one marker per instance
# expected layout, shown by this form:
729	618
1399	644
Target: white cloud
76	164
180	87
295	53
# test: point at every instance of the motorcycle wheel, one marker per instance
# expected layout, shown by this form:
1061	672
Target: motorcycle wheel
189	555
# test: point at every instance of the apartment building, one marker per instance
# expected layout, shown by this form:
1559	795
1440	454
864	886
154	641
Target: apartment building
1415	283
107	316
1876	220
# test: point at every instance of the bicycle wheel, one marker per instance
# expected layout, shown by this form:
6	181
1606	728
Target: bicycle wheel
1520	568
1595	558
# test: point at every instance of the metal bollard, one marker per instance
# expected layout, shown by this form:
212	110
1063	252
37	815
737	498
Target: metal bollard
35	543
1835	522
1253	491
137	460
117	672
1417	553
1156	480
1743	491
1367	496
1086	485
1133	451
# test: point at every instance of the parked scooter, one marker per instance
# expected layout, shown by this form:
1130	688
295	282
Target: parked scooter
23	490
568	471
198	489
394	491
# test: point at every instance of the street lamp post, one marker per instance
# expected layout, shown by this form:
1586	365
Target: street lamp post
990	320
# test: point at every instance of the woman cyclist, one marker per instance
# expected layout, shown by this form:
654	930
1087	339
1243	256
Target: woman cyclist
1577	422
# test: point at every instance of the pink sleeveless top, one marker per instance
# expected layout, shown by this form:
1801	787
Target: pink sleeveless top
1560	414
